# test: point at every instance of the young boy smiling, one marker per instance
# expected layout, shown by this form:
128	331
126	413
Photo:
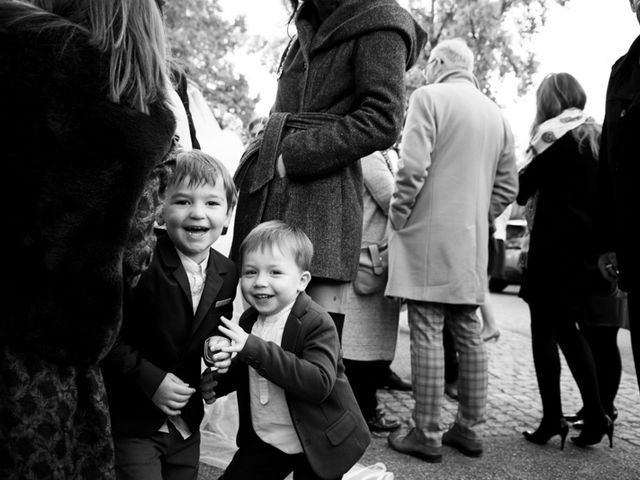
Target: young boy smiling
179	301
297	410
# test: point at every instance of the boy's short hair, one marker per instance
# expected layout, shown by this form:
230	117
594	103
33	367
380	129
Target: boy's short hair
287	238
201	168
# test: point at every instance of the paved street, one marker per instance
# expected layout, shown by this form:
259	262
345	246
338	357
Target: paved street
513	406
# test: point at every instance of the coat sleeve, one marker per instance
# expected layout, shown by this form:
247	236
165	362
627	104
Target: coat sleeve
505	186
605	209
126	362
418	139
309	377
373	124
378	180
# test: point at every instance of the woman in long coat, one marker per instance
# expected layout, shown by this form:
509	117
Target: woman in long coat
560	181
340	97
79	149
371	324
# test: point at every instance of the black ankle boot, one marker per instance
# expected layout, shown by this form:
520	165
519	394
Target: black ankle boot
548	429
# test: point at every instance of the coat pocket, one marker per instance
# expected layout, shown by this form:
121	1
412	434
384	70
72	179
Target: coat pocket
341	429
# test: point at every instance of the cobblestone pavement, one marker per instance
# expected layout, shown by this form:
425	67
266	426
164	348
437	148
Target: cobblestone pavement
513	405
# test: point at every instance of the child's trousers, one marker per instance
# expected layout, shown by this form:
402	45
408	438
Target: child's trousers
259	460
162	455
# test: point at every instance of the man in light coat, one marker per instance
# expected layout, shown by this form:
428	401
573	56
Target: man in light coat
457	173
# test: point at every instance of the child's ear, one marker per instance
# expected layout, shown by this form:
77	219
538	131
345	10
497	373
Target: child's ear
160	218
305	278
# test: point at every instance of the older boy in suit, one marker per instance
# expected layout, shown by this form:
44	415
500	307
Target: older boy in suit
152	371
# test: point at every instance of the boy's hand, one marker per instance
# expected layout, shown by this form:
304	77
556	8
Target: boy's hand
172	395
220	361
208	383
237	335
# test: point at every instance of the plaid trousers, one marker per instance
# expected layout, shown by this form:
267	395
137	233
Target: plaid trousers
426	321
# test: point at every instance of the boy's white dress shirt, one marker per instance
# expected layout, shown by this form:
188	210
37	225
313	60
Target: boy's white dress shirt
269	411
197	275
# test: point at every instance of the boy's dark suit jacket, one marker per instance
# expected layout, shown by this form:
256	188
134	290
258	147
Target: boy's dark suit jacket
160	334
309	367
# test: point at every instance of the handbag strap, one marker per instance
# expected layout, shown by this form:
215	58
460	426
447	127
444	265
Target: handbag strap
376	259
387	160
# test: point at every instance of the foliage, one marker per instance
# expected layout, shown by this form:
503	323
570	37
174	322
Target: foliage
202	42
500	33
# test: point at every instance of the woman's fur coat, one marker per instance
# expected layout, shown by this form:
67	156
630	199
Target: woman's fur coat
76	168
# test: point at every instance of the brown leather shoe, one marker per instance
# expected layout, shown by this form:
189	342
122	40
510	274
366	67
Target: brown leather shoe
467	446
411	444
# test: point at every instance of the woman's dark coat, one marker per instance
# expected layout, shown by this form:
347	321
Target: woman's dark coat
352	66
561	265
74	167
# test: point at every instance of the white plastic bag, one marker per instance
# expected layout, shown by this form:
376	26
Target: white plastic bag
218	432
377	471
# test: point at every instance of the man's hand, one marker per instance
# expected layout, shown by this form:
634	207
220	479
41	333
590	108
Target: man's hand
237	335
608	266
172	395
208	383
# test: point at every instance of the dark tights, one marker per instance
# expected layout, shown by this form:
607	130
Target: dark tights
364	377
553	326
603	342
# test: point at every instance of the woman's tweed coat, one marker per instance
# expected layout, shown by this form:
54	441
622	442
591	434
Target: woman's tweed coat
75	166
351	66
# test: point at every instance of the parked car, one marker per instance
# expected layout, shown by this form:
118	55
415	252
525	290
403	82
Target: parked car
517	236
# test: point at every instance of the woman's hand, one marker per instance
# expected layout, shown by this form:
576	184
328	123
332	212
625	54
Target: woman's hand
282	172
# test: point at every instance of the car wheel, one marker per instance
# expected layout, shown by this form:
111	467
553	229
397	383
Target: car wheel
497	285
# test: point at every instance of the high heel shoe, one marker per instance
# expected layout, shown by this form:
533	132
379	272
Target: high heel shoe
548	429
576	417
578	424
593	435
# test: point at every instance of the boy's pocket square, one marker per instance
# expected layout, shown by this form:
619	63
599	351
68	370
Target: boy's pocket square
222	303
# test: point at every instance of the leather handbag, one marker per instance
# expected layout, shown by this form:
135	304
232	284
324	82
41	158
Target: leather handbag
608	310
373	269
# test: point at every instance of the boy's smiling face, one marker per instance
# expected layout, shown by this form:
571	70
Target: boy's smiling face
195	216
271	279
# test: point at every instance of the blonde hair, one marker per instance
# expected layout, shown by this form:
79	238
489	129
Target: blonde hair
131	33
287	238
558	92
